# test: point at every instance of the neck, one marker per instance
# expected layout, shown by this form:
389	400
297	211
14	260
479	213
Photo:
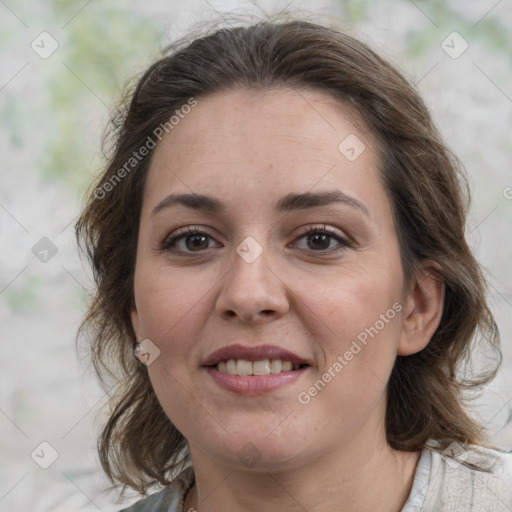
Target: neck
357	477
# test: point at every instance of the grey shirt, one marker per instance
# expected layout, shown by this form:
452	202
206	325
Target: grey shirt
442	483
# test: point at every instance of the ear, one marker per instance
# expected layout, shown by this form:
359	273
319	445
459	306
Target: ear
423	309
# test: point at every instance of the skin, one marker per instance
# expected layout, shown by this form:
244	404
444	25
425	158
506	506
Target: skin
249	150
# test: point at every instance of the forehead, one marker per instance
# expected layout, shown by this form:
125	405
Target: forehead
260	144
282	115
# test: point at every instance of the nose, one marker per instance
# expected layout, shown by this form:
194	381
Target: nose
252	291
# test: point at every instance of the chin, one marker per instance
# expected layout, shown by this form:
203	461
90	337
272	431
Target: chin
256	457
260	449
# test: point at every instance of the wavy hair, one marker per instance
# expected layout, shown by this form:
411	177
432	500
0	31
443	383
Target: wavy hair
424	181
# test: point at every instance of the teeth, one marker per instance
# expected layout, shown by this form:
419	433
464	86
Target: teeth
262	367
276	365
231	367
287	366
243	367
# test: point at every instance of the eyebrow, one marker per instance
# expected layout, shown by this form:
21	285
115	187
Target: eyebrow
287	203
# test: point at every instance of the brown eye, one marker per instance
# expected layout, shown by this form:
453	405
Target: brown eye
187	240
319	239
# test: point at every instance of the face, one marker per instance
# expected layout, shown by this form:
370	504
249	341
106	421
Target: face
276	301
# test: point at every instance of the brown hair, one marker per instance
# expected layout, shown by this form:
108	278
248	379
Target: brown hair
424	181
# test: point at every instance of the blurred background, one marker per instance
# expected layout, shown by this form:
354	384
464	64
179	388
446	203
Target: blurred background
63	65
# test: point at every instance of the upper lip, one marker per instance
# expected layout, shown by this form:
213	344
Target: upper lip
253	353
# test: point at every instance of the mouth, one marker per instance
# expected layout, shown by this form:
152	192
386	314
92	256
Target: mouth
254	370
254	360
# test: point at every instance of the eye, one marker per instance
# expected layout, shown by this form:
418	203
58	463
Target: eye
192	239
319	239
187	240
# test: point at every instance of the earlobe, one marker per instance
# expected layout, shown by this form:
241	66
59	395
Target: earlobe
423	309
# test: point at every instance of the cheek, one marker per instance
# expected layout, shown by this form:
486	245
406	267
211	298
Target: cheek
172	307
347	306
168	302
358	321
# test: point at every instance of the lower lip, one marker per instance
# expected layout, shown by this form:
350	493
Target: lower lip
254	384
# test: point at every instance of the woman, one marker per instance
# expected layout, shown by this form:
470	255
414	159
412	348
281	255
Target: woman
279	235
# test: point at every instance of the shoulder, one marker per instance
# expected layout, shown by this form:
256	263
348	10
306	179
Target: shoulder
475	479
169	499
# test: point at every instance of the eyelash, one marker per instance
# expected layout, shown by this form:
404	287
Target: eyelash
187	231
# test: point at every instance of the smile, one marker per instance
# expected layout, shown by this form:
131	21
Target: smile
254	369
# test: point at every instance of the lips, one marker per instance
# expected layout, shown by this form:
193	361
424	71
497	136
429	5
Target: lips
255	370
258	353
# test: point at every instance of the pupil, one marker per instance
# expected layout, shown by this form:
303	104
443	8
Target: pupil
324	238
196	243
